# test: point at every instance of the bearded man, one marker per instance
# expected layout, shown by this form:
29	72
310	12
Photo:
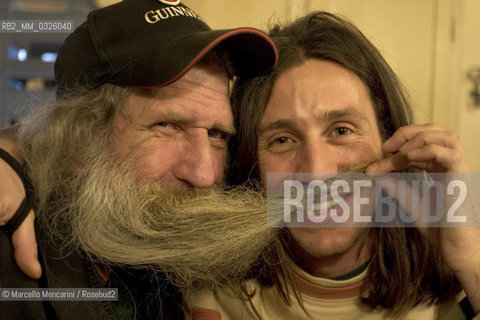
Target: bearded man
123	165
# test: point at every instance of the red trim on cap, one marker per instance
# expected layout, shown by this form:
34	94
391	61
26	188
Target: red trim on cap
204	51
170	2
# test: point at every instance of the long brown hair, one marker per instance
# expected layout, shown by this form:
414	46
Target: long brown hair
404	270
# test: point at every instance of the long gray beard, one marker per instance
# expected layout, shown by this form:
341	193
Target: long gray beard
198	238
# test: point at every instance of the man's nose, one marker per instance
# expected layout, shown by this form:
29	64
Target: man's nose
318	158
196	162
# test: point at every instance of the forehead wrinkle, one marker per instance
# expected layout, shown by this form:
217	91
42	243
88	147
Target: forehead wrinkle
341	113
227	129
187	84
184	95
326	115
279	124
180	115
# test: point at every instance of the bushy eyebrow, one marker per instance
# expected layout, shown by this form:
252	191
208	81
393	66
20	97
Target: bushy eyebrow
350	112
227	129
283	123
182	120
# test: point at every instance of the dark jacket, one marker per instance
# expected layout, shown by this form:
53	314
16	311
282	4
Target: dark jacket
143	294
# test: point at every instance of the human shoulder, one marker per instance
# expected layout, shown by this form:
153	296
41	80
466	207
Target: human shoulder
225	303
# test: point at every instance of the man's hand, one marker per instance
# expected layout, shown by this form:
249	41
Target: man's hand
428	147
12	193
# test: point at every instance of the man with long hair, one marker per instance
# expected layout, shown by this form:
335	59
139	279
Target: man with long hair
334	105
328	72
128	166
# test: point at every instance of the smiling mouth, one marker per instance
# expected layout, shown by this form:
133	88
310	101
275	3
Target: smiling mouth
331	201
325	205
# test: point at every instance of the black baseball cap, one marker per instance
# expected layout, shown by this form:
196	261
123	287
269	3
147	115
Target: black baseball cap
152	43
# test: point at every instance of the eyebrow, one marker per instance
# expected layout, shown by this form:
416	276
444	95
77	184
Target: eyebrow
349	112
179	119
227	129
283	123
330	115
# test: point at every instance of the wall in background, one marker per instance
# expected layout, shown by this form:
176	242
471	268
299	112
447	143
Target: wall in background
468	121
404	31
430	44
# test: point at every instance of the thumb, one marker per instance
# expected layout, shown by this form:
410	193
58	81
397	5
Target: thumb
25	246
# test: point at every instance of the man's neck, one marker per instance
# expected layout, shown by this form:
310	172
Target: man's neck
333	266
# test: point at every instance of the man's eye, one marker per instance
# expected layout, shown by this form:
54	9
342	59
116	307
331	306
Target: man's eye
166	127
218	139
281	140
278	141
217	134
342	131
280	144
214	134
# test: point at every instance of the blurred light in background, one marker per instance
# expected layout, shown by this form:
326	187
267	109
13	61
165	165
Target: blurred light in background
17	54
17	84
49	57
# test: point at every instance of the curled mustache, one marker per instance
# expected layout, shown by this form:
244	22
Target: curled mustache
197	237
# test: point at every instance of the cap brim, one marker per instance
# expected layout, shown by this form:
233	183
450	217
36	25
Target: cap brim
251	51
